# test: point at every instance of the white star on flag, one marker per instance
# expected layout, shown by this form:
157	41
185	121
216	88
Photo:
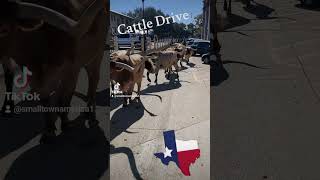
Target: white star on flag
167	153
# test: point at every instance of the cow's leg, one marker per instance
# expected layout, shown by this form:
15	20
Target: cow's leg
112	89
39	84
177	70
125	100
65	94
93	71
8	104
138	90
49	133
156	80
169	72
148	78
129	93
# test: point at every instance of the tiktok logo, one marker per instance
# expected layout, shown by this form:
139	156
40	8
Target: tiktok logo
21	80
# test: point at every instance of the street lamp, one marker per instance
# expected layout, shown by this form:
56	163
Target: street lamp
144	36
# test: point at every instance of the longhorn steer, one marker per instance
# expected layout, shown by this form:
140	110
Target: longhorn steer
55	48
127	70
163	60
181	52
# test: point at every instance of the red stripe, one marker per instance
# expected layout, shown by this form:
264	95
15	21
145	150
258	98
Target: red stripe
186	158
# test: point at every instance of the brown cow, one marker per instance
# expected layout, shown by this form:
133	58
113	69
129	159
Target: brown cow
127	70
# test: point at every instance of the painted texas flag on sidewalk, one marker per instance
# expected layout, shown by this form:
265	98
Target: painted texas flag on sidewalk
183	153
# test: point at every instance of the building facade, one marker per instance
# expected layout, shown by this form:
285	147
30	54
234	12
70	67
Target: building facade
116	19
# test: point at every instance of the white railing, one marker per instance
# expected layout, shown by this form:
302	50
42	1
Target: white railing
158	44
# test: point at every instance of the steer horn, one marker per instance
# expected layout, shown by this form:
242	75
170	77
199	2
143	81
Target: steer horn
27	10
123	66
33	28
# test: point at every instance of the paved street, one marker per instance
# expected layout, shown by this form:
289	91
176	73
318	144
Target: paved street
136	134
79	154
266	121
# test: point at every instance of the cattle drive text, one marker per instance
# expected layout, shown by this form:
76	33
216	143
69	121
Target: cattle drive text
143	25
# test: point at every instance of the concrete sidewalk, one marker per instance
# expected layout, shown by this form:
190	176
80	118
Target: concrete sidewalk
266	120
136	135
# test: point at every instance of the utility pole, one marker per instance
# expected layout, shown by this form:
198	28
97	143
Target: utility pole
144	35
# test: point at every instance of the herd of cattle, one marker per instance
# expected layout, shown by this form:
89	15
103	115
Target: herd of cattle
55	39
127	69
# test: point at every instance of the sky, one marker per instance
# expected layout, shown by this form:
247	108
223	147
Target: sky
192	7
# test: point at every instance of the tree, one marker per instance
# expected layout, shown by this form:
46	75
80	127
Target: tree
198	26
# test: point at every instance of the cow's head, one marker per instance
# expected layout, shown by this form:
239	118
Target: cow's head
122	72
18	17
32	16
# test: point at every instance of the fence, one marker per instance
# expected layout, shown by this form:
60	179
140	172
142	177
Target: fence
151	45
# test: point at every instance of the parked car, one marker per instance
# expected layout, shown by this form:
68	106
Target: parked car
124	40
206	57
190	41
201	47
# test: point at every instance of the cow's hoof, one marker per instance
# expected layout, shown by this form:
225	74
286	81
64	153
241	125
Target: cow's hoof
48	138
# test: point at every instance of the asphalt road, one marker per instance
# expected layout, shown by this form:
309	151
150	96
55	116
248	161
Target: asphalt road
266	121
136	134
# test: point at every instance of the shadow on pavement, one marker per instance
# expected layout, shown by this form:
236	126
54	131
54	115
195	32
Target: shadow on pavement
189	65
101	97
121	120
18	129
235	20
260	11
310	8
218	73
81	153
166	86
127	151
